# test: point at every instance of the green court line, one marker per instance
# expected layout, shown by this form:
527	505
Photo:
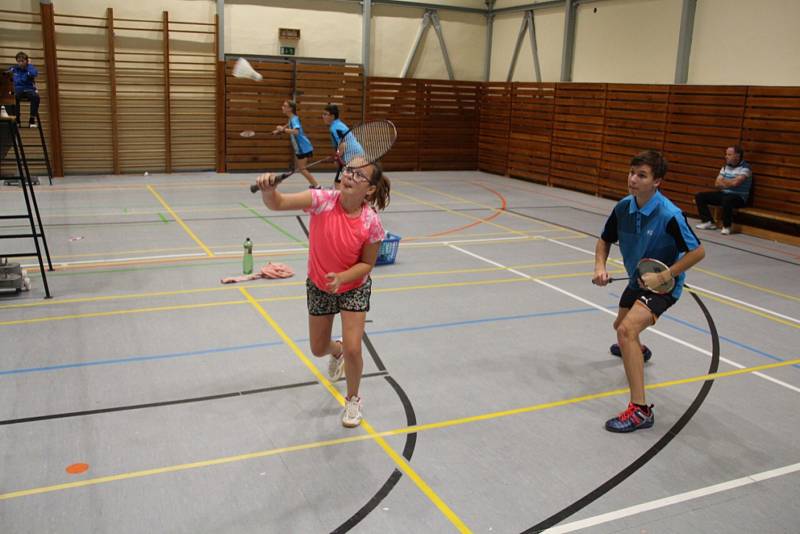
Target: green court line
275	226
163	219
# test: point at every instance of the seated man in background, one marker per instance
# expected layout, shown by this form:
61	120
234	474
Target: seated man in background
25	86
733	190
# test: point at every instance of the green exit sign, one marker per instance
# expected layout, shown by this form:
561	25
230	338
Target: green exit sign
287	50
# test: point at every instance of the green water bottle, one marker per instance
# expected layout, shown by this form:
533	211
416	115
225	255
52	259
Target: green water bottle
247	261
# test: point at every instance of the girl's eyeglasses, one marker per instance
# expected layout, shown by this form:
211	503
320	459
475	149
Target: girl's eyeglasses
355	175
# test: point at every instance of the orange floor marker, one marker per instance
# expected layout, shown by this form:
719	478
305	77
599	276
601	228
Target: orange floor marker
75	469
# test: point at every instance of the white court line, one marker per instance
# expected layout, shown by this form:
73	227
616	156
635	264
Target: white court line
606	310
721	295
674	499
270	251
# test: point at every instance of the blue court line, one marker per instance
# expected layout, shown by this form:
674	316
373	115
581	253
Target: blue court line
432	326
731	341
204	352
140	358
722	338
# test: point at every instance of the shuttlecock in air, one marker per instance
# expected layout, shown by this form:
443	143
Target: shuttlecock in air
243	69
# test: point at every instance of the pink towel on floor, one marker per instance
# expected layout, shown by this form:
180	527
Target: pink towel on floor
270	270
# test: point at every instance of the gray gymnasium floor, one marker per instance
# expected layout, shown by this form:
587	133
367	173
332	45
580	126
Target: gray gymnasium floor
198	407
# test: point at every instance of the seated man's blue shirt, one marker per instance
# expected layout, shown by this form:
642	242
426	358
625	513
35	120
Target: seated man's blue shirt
742	169
657	230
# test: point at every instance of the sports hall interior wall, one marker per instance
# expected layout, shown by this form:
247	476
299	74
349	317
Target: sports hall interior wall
114	117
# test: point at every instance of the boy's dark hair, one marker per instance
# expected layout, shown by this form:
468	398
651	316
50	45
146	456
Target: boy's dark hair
292	104
21	55
739	151
333	109
657	162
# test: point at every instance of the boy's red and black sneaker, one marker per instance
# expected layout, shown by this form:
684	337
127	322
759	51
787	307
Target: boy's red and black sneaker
633	418
616	351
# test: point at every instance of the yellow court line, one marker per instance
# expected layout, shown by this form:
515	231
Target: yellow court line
279	299
276	283
180	221
121	312
743	308
746	284
401	462
388	433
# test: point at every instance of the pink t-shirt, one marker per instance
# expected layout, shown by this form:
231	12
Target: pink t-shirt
337	239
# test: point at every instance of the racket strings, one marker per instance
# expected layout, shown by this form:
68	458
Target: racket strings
367	143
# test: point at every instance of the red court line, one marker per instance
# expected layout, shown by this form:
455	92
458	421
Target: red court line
502	208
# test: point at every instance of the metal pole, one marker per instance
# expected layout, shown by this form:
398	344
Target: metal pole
685	41
488	62
221	37
366	47
534	48
520	36
426	20
569	41
366	34
438	27
487	67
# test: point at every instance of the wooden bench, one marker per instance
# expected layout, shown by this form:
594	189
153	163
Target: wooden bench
772	225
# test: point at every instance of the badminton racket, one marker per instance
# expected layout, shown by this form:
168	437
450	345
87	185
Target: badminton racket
360	146
649	265
243	69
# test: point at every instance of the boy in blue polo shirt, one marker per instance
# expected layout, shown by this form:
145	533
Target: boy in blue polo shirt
647	225
300	143
337	129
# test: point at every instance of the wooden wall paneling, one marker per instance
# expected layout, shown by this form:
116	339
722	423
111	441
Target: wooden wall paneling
140	82
398	100
578	136
636	118
35	25
194	111
450	124
494	127
256	106
771	140
530	140
319	85
701	122
84	93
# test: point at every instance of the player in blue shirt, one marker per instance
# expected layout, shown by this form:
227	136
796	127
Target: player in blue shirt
300	144
25	86
647	225
337	129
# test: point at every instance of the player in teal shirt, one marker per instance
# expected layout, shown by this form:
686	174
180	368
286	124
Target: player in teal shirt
303	149
647	225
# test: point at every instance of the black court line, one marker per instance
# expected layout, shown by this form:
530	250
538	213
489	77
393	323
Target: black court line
652	451
408	449
394	478
170	402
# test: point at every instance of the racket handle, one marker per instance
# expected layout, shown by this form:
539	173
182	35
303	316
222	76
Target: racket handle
278	179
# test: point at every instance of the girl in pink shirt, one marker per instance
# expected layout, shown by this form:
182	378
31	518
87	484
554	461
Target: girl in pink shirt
344	239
